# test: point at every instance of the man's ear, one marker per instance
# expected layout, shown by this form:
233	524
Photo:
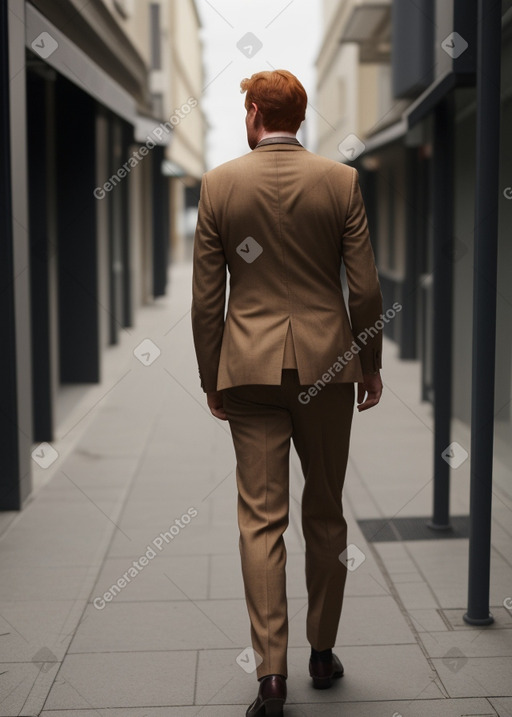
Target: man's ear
258	120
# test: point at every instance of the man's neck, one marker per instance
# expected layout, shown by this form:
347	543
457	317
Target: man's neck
276	134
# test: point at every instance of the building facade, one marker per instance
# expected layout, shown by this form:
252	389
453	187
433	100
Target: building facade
102	135
400	90
387	73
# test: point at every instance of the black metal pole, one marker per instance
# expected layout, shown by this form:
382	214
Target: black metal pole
484	308
442	177
9	484
15	356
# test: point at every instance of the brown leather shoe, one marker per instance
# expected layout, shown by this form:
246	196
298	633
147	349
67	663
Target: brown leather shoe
271	697
324	672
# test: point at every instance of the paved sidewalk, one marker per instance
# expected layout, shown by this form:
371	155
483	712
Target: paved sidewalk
143	494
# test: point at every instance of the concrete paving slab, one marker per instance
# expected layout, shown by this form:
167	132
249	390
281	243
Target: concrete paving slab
28	627
138	626
31	583
226	576
425	708
474	676
162	511
375	620
397	559
454	617
20	681
67	538
394	708
190	573
145	679
480	642
427	620
91	470
361	584
444	565
502	705
416	595
195	711
371	673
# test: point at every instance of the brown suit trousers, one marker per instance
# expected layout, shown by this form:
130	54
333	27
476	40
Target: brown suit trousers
263	419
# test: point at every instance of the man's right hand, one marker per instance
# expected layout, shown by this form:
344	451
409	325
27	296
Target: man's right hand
372	386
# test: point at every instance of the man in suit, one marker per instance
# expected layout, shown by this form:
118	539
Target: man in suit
283	362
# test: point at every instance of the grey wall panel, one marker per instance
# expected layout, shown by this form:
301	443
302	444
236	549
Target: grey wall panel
77	232
15	362
412	57
73	63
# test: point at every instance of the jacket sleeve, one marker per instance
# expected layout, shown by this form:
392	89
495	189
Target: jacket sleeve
208	292
365	297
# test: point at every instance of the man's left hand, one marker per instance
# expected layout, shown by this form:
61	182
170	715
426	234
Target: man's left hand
371	388
214	400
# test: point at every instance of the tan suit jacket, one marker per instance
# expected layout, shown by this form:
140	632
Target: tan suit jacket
282	220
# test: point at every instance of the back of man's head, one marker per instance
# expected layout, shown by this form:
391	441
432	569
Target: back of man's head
280	98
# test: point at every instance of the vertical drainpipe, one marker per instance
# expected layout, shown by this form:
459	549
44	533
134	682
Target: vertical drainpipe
443	160
484	308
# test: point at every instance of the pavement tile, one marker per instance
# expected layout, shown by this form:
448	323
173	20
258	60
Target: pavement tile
501	539
159	511
394	708
397	559
90	473
40	689
502	618
478	642
416	595
18	680
359	495
375	620
221	711
502	705
365	584
420	708
474	676
226	580
371	673
137	626
47	583
188	573
124	679
181	489
194	540
31	628
75	537
427	620
444	565
412	577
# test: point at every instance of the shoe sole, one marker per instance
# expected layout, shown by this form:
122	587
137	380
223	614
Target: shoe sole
323	683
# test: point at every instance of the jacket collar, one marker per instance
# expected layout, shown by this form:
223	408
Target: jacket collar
278	140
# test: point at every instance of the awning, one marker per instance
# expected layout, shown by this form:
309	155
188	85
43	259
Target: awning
150	128
368	24
419	109
55	49
172	169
